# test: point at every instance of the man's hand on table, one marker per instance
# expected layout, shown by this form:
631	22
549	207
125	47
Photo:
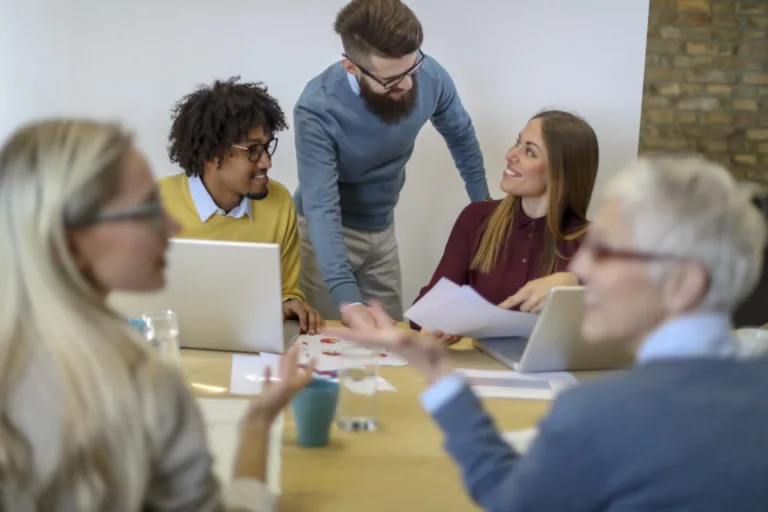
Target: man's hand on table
310	320
424	351
356	315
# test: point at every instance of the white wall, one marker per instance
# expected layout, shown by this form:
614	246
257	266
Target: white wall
132	60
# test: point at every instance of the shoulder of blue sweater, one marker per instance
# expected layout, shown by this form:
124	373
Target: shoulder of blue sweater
432	68
635	385
611	392
317	90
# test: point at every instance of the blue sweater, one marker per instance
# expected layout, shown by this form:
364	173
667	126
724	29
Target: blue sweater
677	434
351	164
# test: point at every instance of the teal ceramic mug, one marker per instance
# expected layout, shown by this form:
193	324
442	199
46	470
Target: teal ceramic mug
314	408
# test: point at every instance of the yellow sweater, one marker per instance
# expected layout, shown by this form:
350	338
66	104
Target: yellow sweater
274	221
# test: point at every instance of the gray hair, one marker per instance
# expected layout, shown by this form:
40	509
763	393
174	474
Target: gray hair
692	208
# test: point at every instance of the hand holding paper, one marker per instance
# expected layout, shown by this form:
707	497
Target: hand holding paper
530	298
461	311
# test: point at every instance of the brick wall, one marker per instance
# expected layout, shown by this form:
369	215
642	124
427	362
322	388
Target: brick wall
706	82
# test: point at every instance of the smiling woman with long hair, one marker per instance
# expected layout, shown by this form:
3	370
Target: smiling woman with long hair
90	419
513	251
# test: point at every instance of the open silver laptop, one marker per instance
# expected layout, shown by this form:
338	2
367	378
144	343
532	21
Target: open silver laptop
227	296
556	343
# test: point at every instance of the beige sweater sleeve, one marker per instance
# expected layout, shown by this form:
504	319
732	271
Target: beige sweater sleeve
181	476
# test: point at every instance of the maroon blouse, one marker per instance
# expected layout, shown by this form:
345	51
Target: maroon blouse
518	263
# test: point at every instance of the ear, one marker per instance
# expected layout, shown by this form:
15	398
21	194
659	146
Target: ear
212	166
350	67
685	287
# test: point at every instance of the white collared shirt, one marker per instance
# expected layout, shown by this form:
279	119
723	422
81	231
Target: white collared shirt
694	335
206	207
353	83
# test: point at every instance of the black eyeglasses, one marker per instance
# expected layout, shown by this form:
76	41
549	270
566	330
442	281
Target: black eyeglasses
390	83
153	209
256	151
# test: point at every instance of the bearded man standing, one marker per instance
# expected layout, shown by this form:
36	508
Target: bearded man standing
356	124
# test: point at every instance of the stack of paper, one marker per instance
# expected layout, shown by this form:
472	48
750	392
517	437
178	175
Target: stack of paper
509	384
460	310
248	370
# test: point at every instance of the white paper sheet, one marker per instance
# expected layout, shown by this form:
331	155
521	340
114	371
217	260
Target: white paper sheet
248	373
520	440
222	417
327	352
460	310
509	384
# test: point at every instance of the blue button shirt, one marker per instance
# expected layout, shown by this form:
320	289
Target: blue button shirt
206	207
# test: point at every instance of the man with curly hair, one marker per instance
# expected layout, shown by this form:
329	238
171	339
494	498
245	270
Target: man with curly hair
356	124
223	137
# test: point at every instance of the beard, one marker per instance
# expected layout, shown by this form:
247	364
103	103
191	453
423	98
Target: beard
257	197
388	109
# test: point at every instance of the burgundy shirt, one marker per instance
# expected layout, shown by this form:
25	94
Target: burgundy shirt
518	263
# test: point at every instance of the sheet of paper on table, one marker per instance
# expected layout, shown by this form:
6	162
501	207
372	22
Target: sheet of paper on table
222	417
509	384
460	310
520	440
248	373
327	352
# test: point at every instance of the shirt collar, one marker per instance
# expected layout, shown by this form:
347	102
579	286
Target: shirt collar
694	335
522	218
206	207
353	83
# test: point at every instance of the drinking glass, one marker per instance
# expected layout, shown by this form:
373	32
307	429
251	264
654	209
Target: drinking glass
161	328
358	379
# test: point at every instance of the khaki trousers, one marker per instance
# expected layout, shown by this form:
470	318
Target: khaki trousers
375	261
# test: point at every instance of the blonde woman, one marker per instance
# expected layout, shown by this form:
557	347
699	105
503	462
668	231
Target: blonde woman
90	420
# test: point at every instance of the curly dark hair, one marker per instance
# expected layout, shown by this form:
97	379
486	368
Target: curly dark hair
212	118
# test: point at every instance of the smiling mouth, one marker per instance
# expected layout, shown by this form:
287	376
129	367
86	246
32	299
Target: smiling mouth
259	176
511	173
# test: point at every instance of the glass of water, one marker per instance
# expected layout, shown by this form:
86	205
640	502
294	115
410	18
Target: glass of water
358	380
161	329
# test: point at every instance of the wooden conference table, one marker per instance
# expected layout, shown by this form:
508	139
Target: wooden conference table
400	467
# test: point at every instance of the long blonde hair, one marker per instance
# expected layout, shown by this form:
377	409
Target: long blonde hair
53	173
573	161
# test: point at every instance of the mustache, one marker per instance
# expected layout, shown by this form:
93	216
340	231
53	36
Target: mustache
388	109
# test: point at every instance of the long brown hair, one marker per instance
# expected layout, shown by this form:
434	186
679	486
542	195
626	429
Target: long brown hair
573	160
